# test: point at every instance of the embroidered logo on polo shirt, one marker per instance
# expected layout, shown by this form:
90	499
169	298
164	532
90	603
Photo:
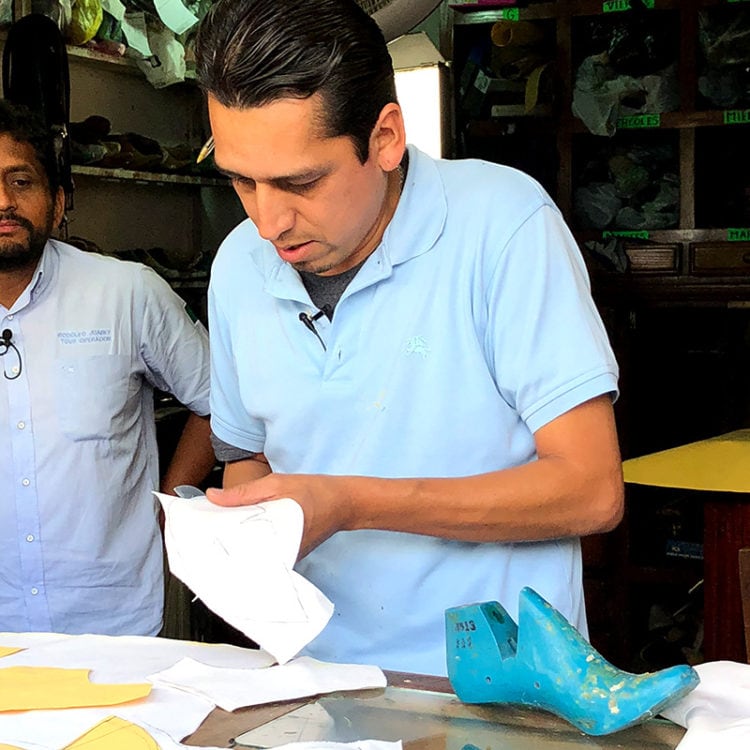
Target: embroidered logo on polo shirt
93	336
417	345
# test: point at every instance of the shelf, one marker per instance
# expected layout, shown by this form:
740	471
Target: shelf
129	175
125	63
473	13
675	120
661	235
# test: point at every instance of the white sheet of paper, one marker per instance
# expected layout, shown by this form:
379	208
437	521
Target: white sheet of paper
115	659
717	713
175	15
240	561
233	688
136	35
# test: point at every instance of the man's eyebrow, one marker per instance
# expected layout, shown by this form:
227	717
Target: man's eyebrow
20	167
309	174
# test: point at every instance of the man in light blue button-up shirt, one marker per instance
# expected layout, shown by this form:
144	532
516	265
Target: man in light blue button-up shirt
84	340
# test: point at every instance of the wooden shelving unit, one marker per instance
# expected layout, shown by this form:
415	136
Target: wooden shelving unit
678	315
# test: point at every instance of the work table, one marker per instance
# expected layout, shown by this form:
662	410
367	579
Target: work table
424	713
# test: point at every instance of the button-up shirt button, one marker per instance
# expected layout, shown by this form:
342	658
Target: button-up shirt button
29	537
34	590
25	482
21	425
15	369
11	316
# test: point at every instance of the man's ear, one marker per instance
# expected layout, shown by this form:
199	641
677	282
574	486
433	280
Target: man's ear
388	139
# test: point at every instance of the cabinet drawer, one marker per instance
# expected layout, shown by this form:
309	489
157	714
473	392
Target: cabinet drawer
720	258
653	258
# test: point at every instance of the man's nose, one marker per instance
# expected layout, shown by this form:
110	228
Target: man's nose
273	213
8	197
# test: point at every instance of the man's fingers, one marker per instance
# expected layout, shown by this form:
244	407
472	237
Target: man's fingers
231	497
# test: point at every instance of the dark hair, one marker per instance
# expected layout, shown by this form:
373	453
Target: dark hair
252	52
25	126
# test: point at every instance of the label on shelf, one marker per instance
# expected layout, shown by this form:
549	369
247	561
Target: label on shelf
737	116
639	121
482	82
634	234
682	548
614	6
738	234
509	14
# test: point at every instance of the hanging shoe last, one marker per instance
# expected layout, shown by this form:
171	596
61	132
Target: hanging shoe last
544	662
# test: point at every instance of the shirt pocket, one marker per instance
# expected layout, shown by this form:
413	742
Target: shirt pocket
91	393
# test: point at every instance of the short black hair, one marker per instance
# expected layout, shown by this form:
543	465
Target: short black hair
26	126
252	52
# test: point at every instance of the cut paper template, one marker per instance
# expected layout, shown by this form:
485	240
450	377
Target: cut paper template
718	464
7	651
240	563
300	678
34	688
114	733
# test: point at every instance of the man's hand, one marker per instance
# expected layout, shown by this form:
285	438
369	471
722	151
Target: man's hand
316	495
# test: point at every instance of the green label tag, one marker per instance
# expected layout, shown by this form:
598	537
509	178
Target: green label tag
639	121
509	14
736	116
736	1
634	234
738	235
613	6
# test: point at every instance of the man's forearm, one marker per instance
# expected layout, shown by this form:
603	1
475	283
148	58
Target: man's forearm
193	458
237	472
573	488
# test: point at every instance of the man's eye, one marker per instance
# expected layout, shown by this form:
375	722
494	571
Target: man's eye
21	182
243	182
303	187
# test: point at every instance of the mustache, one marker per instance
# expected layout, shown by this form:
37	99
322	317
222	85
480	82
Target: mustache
12	216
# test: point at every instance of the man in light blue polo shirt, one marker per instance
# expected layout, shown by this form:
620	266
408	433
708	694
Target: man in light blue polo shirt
407	347
84	340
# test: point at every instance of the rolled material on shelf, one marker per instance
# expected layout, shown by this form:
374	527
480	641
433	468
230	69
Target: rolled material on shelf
519	33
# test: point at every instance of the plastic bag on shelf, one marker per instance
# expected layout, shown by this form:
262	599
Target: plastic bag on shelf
597	204
85	20
167	66
601	96
724	42
628	186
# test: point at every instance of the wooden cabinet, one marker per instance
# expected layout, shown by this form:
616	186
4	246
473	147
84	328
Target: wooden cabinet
661	208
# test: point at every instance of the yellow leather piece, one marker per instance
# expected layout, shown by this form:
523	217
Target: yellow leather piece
30	688
114	733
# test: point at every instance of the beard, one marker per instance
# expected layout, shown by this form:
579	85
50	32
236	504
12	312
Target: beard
17	255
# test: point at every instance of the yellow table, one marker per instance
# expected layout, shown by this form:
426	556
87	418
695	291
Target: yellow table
426	715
